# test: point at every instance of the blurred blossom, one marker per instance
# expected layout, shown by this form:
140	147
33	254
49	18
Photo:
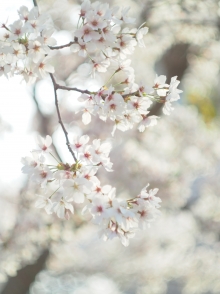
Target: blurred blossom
94	284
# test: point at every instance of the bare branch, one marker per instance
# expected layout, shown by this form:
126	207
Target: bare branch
55	86
74	89
62	46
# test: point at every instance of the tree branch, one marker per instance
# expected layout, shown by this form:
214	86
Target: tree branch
25	276
62	46
74	89
35	3
56	87
89	92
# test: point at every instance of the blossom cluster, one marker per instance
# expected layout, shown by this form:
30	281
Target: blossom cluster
101	35
103	38
127	108
79	184
25	46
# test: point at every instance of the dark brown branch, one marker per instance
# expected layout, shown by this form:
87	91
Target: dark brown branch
74	89
35	3
90	93
21	282
55	86
62	46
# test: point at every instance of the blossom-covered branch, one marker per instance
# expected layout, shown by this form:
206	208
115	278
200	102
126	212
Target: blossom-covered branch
102	39
77	183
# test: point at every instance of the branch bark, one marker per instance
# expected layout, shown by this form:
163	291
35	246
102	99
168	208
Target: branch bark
62	46
25	276
56	87
35	3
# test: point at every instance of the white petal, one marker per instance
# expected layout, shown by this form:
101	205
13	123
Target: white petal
69	206
86	118
61	211
48	141
78	197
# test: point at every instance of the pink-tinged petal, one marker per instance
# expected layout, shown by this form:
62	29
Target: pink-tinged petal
48	141
61	211
84	139
69	206
87	38
40	141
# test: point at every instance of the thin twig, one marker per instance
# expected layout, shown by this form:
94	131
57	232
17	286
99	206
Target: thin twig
62	46
130	94
74	89
35	3
55	86
91	93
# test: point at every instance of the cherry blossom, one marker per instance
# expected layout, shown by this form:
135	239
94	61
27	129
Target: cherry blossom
79	184
104	40
44	144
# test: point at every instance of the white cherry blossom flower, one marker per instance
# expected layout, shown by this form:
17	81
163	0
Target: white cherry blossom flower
36	51
44	202
46	39
4	69
139	104
63	208
76	189
148	121
99	209
85	7
44	144
173	95
18	51
23	13
43	67
17	30
101	149
139	36
42	175
87	33
30	163
95	21
79	143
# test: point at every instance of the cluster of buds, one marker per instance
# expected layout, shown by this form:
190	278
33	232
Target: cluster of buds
77	183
